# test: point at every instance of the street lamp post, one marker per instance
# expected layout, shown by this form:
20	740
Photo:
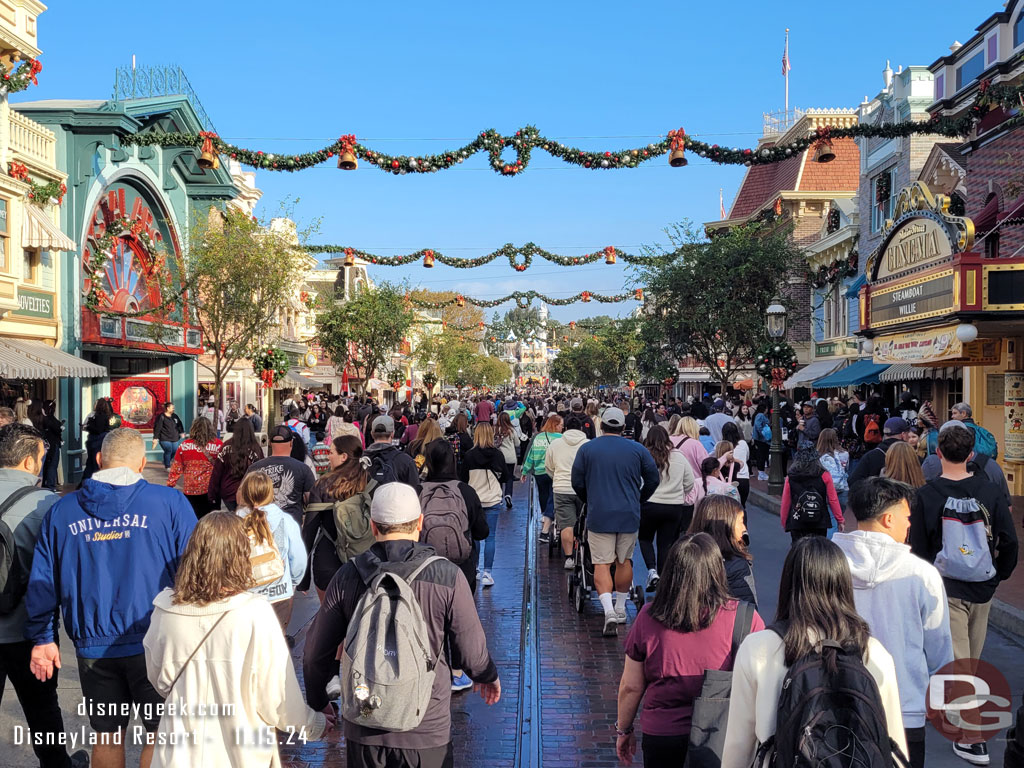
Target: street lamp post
631	369
776	325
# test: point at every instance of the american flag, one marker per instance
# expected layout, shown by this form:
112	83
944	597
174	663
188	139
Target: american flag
785	57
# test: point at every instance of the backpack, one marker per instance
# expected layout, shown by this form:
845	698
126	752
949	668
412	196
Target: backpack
984	441
382	471
456	443
966	553
266	561
829	720
809	508
13	573
872	429
446	521
387	665
351	523
711	709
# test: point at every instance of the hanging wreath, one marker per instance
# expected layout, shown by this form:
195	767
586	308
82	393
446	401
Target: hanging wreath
776	362
883	187
270	364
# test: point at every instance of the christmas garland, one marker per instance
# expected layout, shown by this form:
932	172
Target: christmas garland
776	361
526	139
271	365
519	257
37	193
840	269
21	77
523	299
99	255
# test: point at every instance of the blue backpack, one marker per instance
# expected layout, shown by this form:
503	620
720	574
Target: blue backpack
984	441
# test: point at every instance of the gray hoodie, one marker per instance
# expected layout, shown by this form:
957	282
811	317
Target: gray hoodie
904	603
559	458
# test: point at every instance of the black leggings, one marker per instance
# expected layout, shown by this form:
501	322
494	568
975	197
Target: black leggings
664	751
761	455
663	521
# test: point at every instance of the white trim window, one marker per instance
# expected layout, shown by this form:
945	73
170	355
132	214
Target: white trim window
1018	31
968	72
882	208
835	312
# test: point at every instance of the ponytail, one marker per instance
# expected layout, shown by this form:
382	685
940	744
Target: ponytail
257	526
255	492
707	468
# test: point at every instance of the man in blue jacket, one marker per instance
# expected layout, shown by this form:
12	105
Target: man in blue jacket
614	477
103	553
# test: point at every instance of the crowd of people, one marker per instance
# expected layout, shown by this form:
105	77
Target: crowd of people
392	515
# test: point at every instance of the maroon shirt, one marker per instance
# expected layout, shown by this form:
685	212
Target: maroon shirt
674	664
483	411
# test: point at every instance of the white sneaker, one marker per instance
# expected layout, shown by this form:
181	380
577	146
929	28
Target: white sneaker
976	754
334	688
486	579
621	617
762	476
611	625
652	580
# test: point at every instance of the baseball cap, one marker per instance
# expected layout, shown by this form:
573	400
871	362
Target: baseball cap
576	404
383	425
281	434
613	417
394	504
896	426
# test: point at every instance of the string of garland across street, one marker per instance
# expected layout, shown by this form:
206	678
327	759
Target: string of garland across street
519	257
523	299
676	143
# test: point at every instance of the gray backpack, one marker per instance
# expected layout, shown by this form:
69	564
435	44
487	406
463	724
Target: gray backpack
387	669
446	521
966	541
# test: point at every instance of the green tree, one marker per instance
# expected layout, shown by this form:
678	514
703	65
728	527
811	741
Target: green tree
366	329
234	275
709	300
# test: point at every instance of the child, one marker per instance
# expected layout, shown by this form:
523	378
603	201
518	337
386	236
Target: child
807	498
711	473
321	454
707	440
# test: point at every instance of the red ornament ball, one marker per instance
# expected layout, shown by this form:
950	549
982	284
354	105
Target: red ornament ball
607	154
394	163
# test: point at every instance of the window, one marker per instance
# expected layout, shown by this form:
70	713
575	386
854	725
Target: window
968	72
30	265
4	236
992	48
940	87
835	312
884	195
1018	31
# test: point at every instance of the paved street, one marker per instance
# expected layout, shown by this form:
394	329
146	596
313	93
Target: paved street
579	668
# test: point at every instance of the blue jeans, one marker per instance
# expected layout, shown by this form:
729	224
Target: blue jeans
491	542
834	526
169	448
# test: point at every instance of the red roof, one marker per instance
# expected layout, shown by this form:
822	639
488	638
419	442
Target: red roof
763	183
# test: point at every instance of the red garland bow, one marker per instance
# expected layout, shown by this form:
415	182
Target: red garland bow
779	376
208	137
678	139
639	294
348	143
34	69
18	171
609	250
824	134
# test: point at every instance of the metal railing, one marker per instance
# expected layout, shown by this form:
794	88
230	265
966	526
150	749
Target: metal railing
146	82
776	123
528	744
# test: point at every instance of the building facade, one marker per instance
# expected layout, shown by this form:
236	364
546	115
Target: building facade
128	210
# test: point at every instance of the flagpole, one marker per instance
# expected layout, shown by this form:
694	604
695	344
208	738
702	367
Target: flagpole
787	73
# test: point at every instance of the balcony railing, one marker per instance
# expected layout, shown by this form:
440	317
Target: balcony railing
33	142
777	123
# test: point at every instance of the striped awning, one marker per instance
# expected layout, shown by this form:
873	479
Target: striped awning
907	372
62	364
37	231
17	365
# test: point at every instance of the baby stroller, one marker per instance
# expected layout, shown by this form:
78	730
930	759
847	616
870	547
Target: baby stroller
581	577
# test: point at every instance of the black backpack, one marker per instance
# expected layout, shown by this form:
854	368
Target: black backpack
13	572
382	470
829	720
809	510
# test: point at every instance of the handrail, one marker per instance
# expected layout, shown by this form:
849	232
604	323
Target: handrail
528	744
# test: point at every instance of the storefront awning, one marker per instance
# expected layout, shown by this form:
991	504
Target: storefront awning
37	231
811	373
860	372
906	372
296	379
17	365
693	377
62	363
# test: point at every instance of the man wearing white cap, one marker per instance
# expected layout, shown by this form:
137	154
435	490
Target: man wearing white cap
450	614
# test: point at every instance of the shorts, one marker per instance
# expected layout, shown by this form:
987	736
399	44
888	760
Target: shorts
567	509
606	548
110	686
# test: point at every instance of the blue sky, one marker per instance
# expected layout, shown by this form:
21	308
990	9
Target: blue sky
404	76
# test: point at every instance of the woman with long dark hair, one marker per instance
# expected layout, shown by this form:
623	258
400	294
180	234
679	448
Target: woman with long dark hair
762	433
194	459
211	612
664	514
230	466
507	437
815	603
459	438
44	419
100	421
533	464
687	629
807	498
721	517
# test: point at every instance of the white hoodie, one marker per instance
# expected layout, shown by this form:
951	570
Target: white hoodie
559	458
243	667
904	603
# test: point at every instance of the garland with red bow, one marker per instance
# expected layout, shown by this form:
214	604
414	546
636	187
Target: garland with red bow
21	77
271	365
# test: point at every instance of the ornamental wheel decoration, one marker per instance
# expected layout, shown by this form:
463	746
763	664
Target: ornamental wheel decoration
122	281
